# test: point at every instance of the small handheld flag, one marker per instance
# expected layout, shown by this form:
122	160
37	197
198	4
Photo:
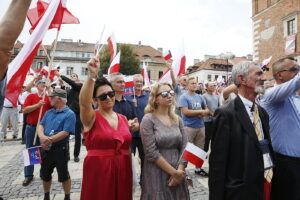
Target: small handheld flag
32	156
194	154
167	55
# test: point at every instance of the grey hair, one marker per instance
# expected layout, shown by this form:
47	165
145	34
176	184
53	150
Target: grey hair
112	77
242	68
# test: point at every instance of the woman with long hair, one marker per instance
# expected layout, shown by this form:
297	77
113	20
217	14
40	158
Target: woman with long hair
163	140
107	171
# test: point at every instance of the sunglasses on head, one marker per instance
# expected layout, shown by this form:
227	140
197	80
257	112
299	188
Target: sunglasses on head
103	97
295	68
166	93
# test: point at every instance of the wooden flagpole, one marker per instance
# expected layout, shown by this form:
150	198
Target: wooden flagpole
48	81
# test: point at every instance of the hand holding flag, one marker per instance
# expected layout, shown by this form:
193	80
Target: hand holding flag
93	66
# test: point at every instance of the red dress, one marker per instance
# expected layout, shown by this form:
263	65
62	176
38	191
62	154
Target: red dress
107	171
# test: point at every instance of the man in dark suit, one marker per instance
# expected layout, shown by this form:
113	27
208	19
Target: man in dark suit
236	164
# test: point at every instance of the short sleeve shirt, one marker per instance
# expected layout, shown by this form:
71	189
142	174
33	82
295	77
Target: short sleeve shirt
56	121
192	102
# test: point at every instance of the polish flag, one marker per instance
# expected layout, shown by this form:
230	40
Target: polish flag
167	55
145	75
112	46
115	64
194	154
178	66
44	72
19	67
62	15
31	72
129	85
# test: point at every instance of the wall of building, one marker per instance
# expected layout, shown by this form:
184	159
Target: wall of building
203	75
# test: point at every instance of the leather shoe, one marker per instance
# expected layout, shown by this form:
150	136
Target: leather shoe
27	181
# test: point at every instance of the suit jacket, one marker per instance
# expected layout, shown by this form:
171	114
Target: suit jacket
236	168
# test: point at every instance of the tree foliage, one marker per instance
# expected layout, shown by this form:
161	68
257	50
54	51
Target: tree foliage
129	64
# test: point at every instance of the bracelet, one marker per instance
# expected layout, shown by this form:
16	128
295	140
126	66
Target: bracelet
92	78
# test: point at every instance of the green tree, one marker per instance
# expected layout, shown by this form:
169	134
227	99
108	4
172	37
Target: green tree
129	65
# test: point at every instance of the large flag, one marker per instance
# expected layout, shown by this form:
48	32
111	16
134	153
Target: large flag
62	15
194	154
145	75
129	85
112	46
19	67
32	156
115	64
178	66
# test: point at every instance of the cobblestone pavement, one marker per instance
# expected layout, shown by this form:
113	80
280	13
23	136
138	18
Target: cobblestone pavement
12	175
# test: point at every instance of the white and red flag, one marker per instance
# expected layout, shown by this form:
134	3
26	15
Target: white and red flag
19	67
62	15
112	46
115	64
129	85
265	62
178	66
145	75
194	154
167	55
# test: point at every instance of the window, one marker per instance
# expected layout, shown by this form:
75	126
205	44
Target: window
149	74
84	71
291	27
16	50
160	73
216	77
70	70
209	77
224	78
41	53
39	65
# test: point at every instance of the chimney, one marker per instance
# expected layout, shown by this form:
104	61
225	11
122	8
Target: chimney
140	43
80	43
196	61
160	49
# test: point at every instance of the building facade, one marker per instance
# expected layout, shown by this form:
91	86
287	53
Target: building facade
275	29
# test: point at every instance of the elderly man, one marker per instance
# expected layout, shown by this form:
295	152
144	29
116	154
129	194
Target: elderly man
241	151
283	105
32	106
53	131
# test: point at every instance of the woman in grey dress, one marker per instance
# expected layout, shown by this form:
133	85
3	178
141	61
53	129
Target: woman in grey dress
163	140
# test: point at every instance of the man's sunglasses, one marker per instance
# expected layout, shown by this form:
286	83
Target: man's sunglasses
103	97
166	93
292	69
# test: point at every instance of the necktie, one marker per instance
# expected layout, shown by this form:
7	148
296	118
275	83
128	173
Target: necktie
256	122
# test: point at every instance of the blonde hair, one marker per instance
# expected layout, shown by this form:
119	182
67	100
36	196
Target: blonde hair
152	106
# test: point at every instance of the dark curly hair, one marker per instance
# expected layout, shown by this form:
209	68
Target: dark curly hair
101	82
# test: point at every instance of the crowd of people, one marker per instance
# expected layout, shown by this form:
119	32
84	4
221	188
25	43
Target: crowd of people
251	129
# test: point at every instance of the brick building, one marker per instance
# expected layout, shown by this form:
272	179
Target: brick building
275	27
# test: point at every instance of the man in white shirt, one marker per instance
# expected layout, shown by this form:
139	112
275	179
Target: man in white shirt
9	113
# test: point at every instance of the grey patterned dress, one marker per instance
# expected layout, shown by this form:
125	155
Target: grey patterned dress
168	142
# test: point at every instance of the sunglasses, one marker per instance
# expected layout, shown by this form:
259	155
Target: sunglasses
292	69
166	94
103	97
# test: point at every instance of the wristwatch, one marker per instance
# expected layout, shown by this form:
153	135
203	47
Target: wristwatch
92	78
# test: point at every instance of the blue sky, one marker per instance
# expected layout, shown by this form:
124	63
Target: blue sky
205	26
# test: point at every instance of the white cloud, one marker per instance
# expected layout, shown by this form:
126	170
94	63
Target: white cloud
206	26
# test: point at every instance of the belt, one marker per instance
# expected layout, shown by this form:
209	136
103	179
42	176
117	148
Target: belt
7	107
31	124
107	152
280	156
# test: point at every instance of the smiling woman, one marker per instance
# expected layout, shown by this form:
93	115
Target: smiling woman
107	171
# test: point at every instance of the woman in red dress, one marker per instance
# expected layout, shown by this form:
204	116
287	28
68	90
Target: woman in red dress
107	171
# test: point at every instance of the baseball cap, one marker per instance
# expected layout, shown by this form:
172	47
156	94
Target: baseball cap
58	92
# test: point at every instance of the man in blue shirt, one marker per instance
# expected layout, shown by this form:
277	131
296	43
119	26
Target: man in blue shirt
53	131
140	100
193	109
282	104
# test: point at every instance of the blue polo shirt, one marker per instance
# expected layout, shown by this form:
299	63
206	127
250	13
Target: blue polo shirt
125	107
192	102
55	121
141	104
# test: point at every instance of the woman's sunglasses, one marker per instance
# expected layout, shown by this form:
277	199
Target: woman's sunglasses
166	93
103	97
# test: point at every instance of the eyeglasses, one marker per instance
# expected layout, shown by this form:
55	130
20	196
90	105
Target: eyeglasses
292	69
103	97
166	94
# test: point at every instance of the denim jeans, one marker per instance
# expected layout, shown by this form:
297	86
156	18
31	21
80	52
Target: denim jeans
29	137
